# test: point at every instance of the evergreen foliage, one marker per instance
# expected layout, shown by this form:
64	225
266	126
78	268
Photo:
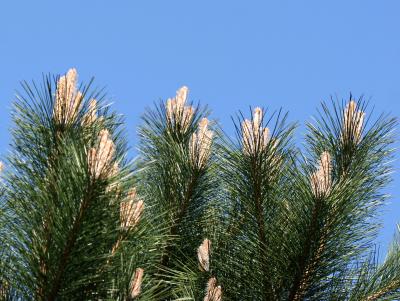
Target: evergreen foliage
198	215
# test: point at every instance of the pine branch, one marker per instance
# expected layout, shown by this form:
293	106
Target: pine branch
305	264
176	152
386	290
252	172
63	170
179	218
70	243
356	182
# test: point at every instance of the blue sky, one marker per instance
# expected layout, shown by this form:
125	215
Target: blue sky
231	54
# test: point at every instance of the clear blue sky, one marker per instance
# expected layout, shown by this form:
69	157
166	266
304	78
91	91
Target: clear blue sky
231	54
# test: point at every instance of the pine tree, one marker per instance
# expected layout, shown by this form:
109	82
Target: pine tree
198	215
